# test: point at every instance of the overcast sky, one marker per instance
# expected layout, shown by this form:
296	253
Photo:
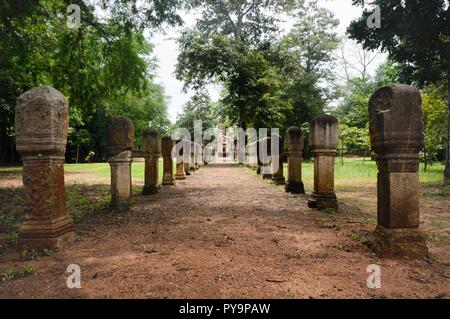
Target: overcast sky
166	52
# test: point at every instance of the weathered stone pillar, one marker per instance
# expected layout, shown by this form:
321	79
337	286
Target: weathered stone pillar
253	156
266	167
198	155
192	166
41	120
181	171
247	160
167	145
151	142
119	145
396	133
293	147
323	140
278	171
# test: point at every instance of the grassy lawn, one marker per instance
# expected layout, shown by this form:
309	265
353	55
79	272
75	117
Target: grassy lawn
357	172
354	172
103	170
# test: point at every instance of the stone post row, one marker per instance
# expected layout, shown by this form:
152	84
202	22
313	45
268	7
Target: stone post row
151	142
323	134
293	147
167	145
41	121
396	134
119	145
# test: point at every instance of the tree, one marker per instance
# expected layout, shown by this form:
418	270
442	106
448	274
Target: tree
230	44
417	35
199	107
307	57
435	114
107	58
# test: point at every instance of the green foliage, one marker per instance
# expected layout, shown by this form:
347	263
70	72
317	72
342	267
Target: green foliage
414	32
200	107
417	36
14	273
267	81
104	62
353	139
435	115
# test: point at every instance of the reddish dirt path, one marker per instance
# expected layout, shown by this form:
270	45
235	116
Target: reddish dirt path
224	233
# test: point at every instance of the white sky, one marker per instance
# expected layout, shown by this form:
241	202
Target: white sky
166	51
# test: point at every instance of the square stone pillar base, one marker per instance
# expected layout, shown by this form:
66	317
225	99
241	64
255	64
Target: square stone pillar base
180	173
399	242
46	234
168	181
278	180
295	187
150	190
323	201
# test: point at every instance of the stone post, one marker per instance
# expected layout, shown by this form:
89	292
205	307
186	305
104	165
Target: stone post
396	134
247	154
41	121
266	168
198	156
187	157
253	157
323	140
180	171
293	146
119	145
151	142
278	172
192	166
167	145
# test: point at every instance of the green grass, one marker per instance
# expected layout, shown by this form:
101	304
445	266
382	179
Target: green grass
103	170
356	172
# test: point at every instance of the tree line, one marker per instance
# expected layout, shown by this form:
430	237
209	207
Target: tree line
269	77
273	79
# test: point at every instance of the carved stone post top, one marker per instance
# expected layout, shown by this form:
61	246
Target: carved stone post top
167	144
395	120
293	140
119	135
123	157
151	142
323	133
42	121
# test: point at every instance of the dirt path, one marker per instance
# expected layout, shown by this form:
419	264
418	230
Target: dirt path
224	233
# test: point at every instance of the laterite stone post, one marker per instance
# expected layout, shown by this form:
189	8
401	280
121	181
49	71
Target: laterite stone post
324	137
278	172
180	171
396	134
151	142
253	156
167	145
119	145
41	121
266	167
293	147
192	166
